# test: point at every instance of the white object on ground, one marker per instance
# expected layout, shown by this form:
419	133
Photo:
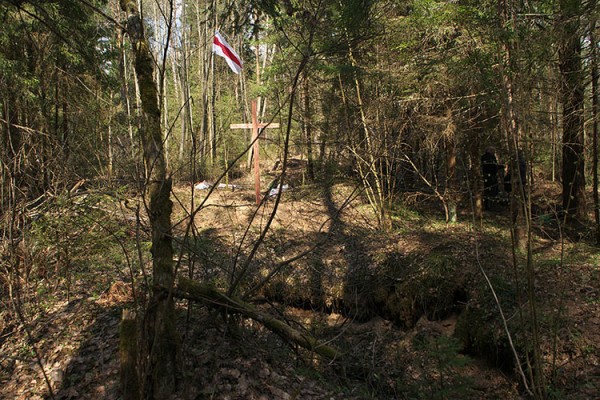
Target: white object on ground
227	186
274	191
202	185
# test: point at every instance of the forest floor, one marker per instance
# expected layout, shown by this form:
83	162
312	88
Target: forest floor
403	330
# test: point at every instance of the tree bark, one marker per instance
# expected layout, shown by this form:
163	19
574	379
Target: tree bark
124	76
452	188
518	199
474	133
308	129
595	111
572	95
128	354
160	337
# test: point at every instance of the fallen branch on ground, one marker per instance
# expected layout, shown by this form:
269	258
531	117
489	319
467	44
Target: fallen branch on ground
191	290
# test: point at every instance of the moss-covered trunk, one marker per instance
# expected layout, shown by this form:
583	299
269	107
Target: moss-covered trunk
160	337
128	354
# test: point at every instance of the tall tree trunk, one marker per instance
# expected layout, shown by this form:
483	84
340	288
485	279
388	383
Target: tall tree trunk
520	209
553	105
204	65
308	128
110	139
125	90
189	101
511	129
66	149
572	95
160	335
166	127
452	186
213	110
474	134
595	110
186	99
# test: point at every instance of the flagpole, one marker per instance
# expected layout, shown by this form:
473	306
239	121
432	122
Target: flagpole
256	152
213	141
255	110
256	104
223	49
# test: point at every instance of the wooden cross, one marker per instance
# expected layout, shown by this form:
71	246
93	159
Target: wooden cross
255	125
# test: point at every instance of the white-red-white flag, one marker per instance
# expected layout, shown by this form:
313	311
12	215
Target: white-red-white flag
223	49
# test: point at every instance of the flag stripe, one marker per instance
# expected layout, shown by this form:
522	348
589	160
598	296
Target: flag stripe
228	52
222	48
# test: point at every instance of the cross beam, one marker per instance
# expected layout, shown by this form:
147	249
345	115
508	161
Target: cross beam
255	126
